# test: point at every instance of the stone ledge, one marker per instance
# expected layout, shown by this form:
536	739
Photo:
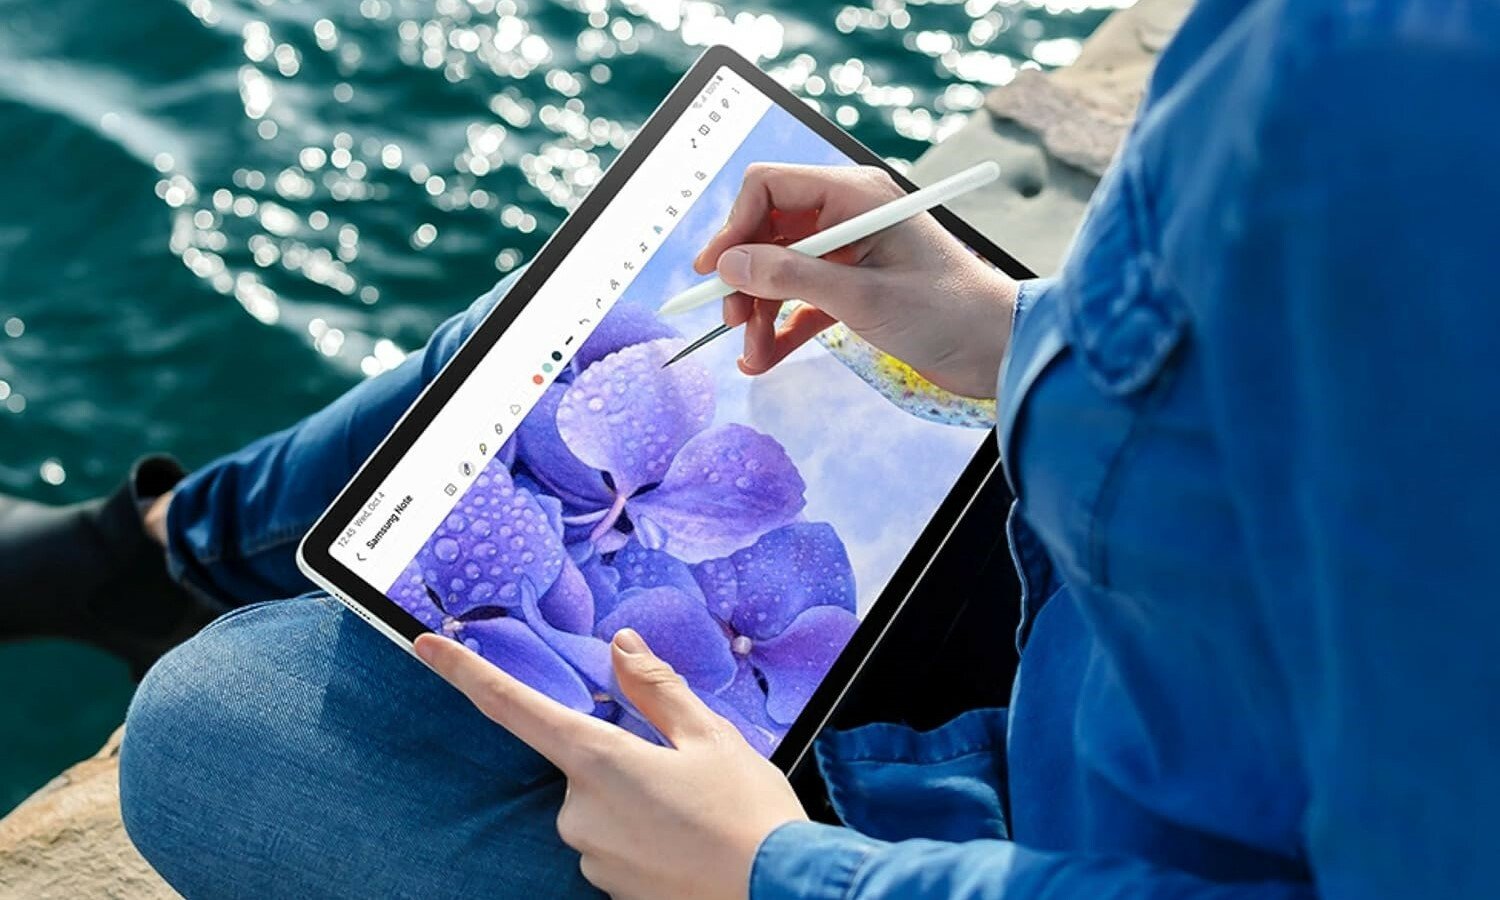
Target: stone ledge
1081	113
1054	133
66	842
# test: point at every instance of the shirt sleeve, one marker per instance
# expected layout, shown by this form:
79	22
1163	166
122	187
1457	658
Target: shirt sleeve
808	861
1352	361
1351	366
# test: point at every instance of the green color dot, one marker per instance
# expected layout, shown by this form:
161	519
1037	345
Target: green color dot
546	367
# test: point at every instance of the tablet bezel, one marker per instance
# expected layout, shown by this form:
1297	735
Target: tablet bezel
314	555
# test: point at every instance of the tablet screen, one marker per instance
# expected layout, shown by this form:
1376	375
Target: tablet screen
572	486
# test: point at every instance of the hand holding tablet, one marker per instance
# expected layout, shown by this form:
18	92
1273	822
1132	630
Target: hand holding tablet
634	810
747	528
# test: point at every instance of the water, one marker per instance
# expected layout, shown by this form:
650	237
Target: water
216	216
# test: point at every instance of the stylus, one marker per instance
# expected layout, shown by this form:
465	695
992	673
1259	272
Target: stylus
847	232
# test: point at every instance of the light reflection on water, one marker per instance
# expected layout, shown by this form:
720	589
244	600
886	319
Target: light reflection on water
287	227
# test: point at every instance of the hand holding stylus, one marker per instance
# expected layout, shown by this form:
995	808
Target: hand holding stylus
911	289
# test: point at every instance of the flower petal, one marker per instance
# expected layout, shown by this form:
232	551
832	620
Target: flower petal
516	649
728	486
543	453
569	604
604	584
584	652
795	567
679	629
748	695
551	506
628	416
642	568
611	541
409	592
624	325
795	661
720	586
497	536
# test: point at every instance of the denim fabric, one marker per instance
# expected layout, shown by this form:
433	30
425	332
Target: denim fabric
289	750
890	782
1251	427
233	526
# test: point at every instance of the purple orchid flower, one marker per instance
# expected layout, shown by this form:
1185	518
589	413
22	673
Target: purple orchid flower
626	508
628	448
470	577
783	609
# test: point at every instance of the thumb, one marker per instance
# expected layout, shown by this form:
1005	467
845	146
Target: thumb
655	688
776	273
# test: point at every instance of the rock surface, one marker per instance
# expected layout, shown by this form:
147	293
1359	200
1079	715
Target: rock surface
66	841
1053	134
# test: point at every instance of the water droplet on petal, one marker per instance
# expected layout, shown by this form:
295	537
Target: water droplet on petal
445	549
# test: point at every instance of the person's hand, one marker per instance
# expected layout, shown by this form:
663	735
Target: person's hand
913	290
661	822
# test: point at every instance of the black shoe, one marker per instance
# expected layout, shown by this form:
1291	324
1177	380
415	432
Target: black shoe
91	573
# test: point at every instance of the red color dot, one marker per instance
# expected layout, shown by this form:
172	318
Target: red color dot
536	379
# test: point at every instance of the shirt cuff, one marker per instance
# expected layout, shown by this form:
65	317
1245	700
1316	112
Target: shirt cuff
1028	293
809	861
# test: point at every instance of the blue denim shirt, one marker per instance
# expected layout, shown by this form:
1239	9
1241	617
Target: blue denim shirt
1254	428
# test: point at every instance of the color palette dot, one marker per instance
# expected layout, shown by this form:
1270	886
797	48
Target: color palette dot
546	367
556	356
536	379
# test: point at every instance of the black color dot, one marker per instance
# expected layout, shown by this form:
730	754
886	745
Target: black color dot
556	356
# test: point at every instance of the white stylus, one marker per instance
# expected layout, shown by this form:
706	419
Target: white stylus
847	232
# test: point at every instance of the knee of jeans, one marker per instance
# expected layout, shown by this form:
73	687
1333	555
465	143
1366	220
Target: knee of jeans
198	714
176	722
449	336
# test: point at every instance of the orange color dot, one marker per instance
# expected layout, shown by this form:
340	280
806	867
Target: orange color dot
536	379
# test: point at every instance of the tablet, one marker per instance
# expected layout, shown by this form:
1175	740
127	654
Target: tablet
555	483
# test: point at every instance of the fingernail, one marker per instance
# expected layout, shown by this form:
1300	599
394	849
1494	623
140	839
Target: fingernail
630	643
734	267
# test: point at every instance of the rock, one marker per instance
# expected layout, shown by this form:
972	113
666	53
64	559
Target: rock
1053	134
66	842
1033	209
1082	112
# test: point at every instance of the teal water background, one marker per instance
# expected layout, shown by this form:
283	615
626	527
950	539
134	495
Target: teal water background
216	216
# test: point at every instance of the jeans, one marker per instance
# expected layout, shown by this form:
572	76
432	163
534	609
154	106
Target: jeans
289	749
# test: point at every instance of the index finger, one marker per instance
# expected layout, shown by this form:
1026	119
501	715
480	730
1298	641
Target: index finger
548	727
834	193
